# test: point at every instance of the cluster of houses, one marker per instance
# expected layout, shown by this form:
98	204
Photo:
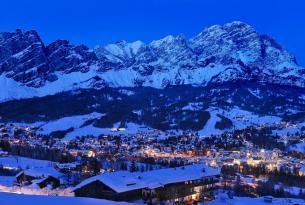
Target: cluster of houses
185	183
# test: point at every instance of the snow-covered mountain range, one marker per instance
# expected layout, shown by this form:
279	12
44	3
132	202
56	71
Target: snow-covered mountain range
224	78
233	52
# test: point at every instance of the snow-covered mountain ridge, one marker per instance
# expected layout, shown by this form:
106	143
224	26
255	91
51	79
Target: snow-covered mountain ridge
232	52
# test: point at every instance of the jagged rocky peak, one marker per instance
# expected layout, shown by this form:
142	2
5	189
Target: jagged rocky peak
120	49
239	42
169	40
234	40
69	58
14	42
169	43
118	55
23	58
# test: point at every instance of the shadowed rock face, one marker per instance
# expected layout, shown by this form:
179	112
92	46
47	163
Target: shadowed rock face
219	54
25	58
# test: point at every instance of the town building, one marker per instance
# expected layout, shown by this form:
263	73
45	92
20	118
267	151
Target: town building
187	183
40	177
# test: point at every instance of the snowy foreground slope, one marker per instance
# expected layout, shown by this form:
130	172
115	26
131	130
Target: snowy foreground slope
22	199
15	162
255	201
18	199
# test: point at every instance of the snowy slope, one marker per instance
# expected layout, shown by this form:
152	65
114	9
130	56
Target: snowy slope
253	201
66	123
17	199
131	128
240	119
11	89
24	162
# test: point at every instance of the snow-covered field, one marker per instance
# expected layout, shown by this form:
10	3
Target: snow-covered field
7	181
24	162
290	130
62	124
254	201
131	128
299	147
22	199
67	122
240	119
291	189
77	122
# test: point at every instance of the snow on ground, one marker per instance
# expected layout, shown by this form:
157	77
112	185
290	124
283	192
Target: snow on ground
255	93
7	181
67	122
299	147
209	127
24	162
126	92
254	201
302	97
290	130
131	128
86	130
65	82
291	189
18	199
240	119
35	190
193	106
14	90
77	122
11	89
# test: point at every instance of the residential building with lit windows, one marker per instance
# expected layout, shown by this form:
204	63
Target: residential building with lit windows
187	183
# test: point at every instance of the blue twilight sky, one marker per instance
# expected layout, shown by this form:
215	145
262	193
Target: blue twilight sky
95	22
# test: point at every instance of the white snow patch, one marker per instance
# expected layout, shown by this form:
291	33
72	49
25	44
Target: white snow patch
255	93
17	199
24	162
131	128
67	122
240	119
222	199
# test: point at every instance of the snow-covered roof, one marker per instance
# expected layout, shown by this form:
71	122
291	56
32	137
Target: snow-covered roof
41	172
123	181
67	165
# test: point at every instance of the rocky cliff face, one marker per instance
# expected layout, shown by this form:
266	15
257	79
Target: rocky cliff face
23	58
219	54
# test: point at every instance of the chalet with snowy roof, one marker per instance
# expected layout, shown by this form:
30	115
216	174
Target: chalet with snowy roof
40	177
172	184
